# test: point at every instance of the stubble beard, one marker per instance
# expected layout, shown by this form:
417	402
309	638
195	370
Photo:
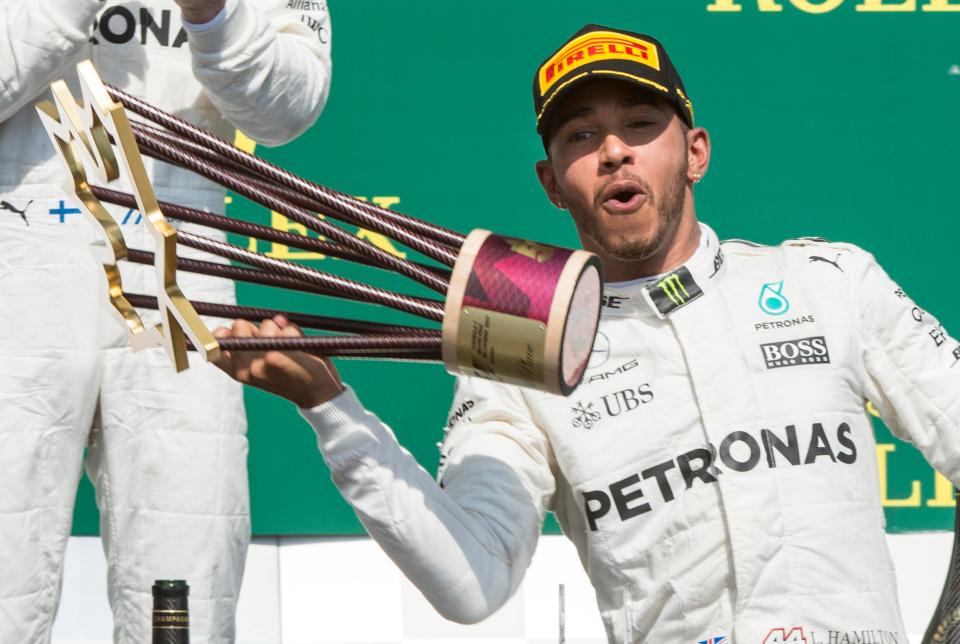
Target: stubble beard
633	247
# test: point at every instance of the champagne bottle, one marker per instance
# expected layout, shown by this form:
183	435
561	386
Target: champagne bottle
171	619
944	628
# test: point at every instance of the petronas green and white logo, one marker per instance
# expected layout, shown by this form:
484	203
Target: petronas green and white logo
772	300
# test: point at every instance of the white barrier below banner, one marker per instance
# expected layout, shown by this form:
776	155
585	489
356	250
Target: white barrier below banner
345	591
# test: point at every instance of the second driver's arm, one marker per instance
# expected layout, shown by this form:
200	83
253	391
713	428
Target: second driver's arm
465	542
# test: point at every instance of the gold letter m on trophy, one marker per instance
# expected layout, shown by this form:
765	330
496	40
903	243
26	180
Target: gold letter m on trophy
81	135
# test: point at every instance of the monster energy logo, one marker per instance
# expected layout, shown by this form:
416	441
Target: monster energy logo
673	288
673	291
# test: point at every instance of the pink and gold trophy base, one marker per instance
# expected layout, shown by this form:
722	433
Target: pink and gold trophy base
521	312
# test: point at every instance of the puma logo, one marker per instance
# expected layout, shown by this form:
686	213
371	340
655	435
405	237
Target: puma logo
834	262
5	205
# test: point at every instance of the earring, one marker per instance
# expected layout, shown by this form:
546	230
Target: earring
559	204
696	177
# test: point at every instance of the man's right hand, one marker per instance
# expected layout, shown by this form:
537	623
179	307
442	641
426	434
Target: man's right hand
302	378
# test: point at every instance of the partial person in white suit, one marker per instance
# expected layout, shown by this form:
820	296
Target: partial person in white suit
716	467
167	451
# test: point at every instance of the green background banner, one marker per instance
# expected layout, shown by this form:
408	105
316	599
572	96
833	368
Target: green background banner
828	118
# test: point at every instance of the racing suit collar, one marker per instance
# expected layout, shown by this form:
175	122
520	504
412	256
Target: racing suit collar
660	296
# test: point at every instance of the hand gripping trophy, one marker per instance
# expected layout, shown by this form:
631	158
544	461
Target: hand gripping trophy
513	310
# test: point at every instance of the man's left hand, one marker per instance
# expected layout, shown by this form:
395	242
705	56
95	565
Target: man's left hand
199	12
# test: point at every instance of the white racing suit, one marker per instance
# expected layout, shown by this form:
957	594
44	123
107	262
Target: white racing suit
716	469
168	451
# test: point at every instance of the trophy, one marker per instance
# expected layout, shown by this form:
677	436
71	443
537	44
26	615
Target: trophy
510	310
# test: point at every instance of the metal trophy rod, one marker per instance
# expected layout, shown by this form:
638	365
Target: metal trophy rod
330	285
265	278
306	320
258	276
322	346
237	273
154	138
328	351
337	345
364	211
338	286
226	178
258	231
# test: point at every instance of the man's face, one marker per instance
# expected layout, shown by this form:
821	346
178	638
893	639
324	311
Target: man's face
618	160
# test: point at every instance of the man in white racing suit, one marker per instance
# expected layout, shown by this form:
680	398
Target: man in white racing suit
716	467
168	451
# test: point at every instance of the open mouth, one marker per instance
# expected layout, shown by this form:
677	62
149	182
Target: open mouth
623	197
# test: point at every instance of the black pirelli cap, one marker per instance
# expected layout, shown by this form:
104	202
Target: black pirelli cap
603	52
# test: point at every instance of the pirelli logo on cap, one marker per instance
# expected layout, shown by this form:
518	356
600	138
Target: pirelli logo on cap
593	47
